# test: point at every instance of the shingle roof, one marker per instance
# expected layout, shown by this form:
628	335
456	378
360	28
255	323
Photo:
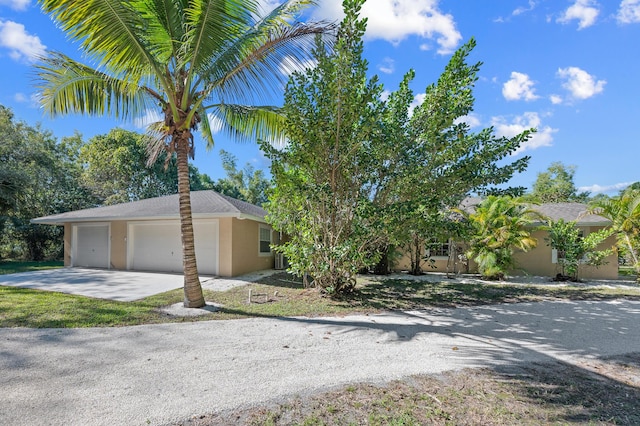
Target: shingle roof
569	212
203	204
554	211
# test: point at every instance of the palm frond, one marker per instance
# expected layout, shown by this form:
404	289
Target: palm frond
282	15
212	27
110	31
67	86
165	30
155	142
255	64
250	123
206	129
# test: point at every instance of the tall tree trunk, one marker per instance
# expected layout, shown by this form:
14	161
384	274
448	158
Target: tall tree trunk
193	297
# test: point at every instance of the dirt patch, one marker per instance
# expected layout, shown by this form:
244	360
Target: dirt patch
599	392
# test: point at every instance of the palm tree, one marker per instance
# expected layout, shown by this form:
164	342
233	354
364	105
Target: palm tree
197	61
499	226
624	213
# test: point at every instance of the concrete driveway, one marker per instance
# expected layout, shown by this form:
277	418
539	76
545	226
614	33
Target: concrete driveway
103	284
165	373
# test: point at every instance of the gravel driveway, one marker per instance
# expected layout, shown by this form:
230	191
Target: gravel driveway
156	374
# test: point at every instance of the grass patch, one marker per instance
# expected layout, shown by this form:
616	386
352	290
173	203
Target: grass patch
279	295
626	271
600	392
12	267
21	307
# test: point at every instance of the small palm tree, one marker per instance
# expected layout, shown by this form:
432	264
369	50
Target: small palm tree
624	213
499	227
196	61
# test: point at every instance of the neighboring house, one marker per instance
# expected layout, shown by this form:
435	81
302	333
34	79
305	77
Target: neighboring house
231	236
540	261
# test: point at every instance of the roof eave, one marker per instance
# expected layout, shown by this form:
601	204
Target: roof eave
62	221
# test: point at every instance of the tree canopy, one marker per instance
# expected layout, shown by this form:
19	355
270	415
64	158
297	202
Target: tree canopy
39	176
359	173
556	185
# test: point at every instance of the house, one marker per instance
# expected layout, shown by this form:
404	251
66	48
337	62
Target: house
231	236
541	260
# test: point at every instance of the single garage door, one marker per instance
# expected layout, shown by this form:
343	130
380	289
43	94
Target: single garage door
91	245
157	246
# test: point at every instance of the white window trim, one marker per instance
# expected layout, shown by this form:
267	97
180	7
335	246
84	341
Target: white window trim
447	243
260	228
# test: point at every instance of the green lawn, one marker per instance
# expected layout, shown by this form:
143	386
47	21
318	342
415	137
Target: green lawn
278	295
11	267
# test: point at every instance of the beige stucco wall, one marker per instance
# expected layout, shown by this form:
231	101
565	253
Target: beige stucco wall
238	246
245	248
538	260
439	264
67	244
534	262
225	243
118	245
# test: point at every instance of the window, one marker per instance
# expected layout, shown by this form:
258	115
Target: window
265	240
437	248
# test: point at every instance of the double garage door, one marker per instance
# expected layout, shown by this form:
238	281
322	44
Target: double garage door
157	246
150	246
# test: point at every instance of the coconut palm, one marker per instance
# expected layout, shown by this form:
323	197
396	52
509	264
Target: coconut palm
196	61
499	227
624	213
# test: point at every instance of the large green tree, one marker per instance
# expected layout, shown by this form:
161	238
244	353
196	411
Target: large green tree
115	167
434	160
321	198
555	185
39	176
191	60
247	184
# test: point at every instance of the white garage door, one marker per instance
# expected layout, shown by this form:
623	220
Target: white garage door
91	245
157	246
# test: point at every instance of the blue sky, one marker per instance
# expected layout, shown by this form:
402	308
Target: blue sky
569	68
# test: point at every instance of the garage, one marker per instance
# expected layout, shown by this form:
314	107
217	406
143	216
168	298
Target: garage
91	245
232	236
157	246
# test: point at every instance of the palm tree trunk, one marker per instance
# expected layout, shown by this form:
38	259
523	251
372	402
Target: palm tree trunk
193	297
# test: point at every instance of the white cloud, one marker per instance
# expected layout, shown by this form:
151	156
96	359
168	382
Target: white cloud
471	119
523	9
585	11
556	99
387	66
595	188
580	83
543	137
629	12
394	20
385	95
417	101
519	87
16	4
150	116
21	45
32	100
